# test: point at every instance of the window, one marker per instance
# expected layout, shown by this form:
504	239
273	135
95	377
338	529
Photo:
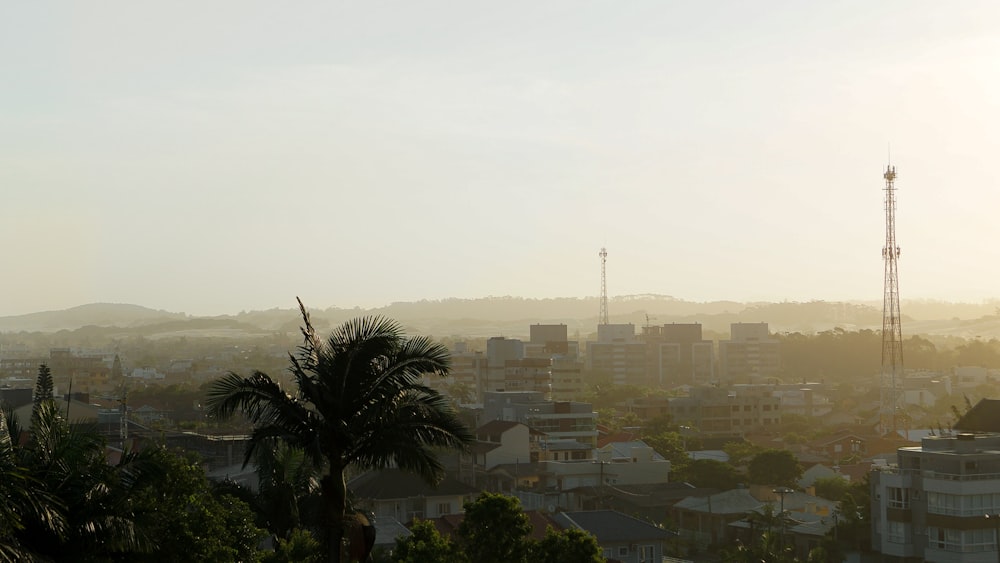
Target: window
444	508
899	497
895	532
646	554
963	505
962	541
623	551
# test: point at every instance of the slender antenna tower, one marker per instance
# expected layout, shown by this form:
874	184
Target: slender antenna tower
603	317
892	336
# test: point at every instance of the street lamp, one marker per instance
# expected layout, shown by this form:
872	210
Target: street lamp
782	491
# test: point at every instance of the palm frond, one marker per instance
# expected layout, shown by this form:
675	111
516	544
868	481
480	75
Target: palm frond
419	421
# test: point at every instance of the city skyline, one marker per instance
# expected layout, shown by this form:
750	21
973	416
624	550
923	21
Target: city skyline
212	159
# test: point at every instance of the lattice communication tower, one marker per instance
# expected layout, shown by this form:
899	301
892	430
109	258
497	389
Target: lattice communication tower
892	336
603	317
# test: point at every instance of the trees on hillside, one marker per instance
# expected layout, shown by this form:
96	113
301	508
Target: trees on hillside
359	402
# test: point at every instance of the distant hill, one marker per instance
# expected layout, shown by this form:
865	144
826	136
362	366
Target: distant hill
512	316
97	314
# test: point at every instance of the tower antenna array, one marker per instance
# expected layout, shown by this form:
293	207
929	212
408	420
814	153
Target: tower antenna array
892	336
603	317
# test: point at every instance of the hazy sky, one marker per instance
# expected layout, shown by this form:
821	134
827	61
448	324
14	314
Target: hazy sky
209	157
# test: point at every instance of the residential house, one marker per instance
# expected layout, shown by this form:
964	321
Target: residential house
707	519
403	496
621	537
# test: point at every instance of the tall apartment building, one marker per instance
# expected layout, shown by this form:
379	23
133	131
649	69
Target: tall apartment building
676	355
528	374
618	354
468	371
547	341
931	506
499	351
750	355
567	378
550	341
727	412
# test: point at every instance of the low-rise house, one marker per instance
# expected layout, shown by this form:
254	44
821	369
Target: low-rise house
505	441
652	502
818	471
839	445
621	537
403	496
707	519
803	530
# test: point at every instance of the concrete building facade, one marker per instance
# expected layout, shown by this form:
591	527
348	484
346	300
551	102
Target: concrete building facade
619	355
931	506
750	355
676	354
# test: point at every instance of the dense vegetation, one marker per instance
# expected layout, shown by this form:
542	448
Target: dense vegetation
63	500
359	404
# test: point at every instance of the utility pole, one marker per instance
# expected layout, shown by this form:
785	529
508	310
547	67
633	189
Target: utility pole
892	336
782	491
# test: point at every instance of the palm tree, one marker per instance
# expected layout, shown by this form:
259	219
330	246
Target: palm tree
25	501
359	403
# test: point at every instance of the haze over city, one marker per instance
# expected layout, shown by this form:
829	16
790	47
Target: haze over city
210	158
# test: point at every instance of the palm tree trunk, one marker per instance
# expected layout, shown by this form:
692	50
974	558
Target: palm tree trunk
335	490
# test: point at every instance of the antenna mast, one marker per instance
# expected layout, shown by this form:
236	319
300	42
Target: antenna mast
892	336
603	317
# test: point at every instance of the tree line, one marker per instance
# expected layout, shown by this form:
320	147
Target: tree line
840	355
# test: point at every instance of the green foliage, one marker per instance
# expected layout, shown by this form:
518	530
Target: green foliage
670	445
187	520
708	473
495	530
43	385
300	547
64	501
426	545
567	546
767	546
774	467
360	402
740	453
288	489
832	488
854	523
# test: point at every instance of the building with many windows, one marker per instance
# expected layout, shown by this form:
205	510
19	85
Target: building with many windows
618	355
676	354
717	411
750	355
559	420
932	505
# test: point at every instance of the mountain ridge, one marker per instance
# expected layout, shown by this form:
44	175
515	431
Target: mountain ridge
512	316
